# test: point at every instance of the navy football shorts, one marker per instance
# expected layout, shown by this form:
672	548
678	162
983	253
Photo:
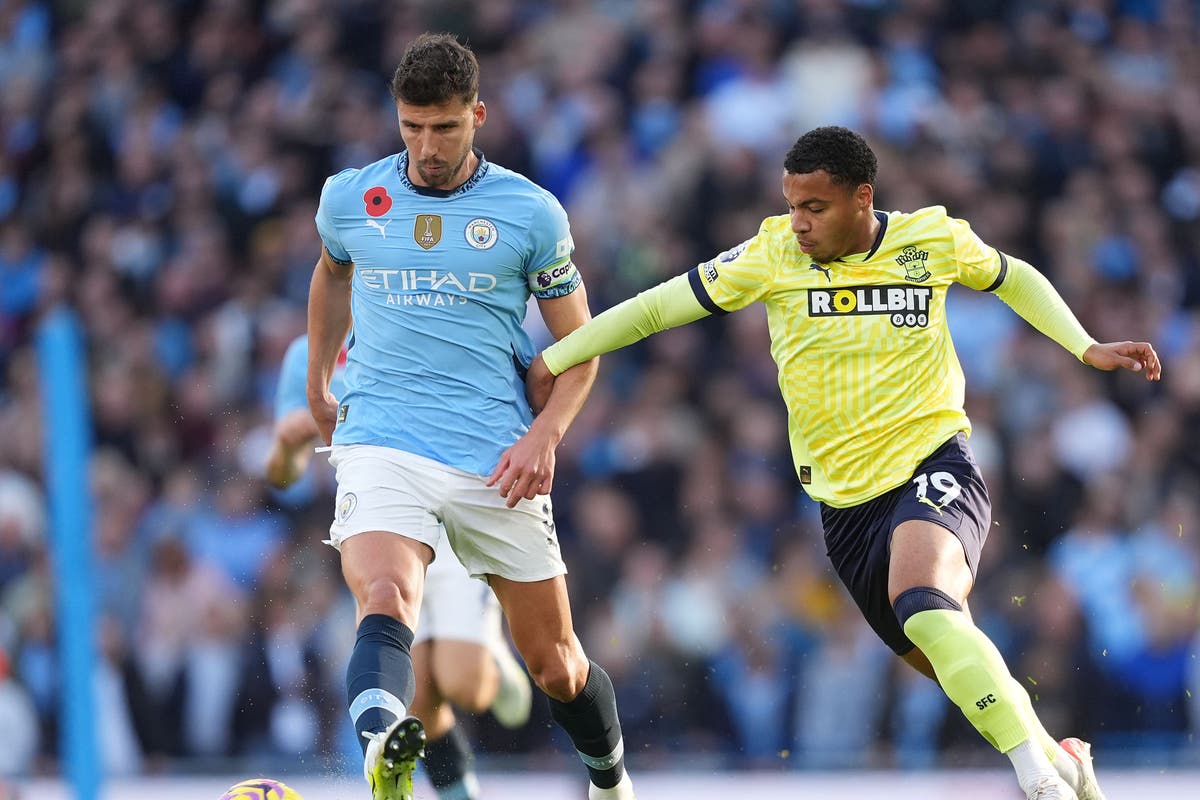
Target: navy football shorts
858	538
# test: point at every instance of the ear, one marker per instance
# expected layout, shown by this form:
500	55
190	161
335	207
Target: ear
864	195
479	114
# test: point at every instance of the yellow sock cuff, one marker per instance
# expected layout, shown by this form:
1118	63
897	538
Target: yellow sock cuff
972	673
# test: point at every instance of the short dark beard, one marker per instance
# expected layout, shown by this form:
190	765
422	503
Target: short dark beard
448	176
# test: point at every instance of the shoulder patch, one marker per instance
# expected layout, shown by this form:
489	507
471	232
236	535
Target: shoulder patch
732	253
564	247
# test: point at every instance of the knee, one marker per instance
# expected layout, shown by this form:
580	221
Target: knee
560	673
390	596
913	601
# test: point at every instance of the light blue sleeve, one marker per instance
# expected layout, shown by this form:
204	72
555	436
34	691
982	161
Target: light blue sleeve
548	266
325	217
291	392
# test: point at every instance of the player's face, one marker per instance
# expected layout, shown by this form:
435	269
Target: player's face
439	139
829	220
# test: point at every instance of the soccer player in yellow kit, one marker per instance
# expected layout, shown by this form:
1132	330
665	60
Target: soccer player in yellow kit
856	305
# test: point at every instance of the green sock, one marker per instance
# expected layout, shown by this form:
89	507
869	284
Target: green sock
1047	742
972	673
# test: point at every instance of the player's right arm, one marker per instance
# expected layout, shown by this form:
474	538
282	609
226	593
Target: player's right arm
328	311
328	323
731	281
667	305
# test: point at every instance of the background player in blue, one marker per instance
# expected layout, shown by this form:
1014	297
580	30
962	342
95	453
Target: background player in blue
295	431
459	654
433	253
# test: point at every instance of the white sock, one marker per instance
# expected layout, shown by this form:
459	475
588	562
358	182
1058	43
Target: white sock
1030	761
622	791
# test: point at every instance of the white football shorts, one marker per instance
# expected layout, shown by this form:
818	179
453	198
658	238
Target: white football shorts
385	489
455	606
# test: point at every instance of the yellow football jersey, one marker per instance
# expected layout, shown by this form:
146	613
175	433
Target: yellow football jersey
866	364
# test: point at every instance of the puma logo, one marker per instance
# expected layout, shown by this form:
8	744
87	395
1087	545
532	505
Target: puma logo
380	226
819	268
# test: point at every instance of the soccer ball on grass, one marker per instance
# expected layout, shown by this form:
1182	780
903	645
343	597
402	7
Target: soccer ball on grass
261	789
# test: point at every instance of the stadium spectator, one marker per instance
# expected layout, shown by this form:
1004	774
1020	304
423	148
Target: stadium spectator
19	721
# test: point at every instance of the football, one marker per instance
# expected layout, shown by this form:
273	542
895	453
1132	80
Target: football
261	789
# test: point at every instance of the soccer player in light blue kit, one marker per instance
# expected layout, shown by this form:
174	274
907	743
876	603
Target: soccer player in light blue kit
433	253
459	653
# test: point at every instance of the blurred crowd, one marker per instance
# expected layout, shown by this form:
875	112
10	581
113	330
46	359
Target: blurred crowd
160	164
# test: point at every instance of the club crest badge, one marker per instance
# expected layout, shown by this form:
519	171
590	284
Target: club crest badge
913	261
346	507
481	233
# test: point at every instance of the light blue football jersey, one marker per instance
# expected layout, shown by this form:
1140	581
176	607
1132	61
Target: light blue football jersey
437	361
291	392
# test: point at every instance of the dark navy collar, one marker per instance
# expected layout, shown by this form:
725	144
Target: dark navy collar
883	223
481	170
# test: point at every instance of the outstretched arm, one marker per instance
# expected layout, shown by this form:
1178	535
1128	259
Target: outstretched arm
667	305
1033	297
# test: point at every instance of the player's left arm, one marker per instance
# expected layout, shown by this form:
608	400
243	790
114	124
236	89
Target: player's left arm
527	468
1032	296
1035	299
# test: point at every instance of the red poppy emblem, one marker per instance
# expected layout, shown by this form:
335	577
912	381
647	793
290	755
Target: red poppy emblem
377	200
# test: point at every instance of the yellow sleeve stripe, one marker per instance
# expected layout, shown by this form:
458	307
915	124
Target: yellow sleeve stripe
702	296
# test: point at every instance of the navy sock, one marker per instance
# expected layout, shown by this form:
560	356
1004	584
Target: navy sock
379	678
591	722
448	764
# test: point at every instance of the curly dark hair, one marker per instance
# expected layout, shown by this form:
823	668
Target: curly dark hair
436	68
841	152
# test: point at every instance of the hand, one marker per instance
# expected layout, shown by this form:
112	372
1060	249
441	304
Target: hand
291	447
526	469
284	466
324	412
1133	356
539	382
